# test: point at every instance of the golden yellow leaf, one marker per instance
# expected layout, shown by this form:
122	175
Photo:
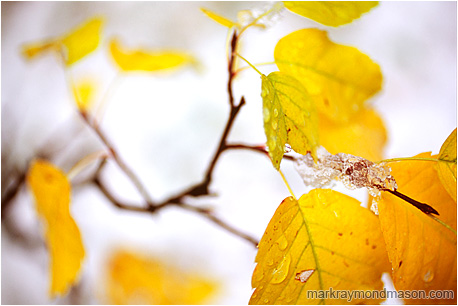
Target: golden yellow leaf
289	116
323	240
422	251
138	279
148	60
82	41
218	18
71	47
364	135
83	92
446	166
339	78
331	13
51	191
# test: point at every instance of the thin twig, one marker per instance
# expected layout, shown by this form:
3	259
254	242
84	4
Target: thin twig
148	209
11	193
122	165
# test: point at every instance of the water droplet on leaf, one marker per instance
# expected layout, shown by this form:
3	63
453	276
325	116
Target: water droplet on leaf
282	243
280	273
266	114
428	277
274	125
275	112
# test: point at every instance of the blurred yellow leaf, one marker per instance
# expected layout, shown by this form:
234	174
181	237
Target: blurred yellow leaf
339	78
219	19
289	116
72	46
137	279
330	13
364	135
84	92
422	251
148	60
51	190
446	166
324	240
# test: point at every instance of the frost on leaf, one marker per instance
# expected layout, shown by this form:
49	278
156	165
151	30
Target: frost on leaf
353	171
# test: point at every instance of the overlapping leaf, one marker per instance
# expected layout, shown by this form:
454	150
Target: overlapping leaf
289	116
137	279
51	190
323	240
72	46
339	78
364	135
331	13
148	60
422	251
446	166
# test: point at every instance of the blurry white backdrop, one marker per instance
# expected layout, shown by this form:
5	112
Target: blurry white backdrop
167	127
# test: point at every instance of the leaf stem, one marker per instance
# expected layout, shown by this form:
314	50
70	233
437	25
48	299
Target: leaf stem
287	185
250	64
444	224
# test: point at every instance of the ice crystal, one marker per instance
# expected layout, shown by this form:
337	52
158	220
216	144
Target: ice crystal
353	171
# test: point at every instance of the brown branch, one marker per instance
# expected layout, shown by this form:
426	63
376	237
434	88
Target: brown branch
153	209
259	148
117	158
202	187
196	190
11	193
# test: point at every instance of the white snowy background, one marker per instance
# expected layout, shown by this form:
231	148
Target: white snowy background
167	127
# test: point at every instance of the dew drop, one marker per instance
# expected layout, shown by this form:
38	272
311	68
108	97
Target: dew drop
270	262
282	243
428	277
273	142
280	273
258	276
266	114
266	301
275	112
274	125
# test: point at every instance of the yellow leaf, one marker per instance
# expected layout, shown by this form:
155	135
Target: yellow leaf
138	279
364	135
51	190
446	166
146	60
73	46
339	78
82	41
289	116
331	13
83	92
219	19
422	251
325	240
